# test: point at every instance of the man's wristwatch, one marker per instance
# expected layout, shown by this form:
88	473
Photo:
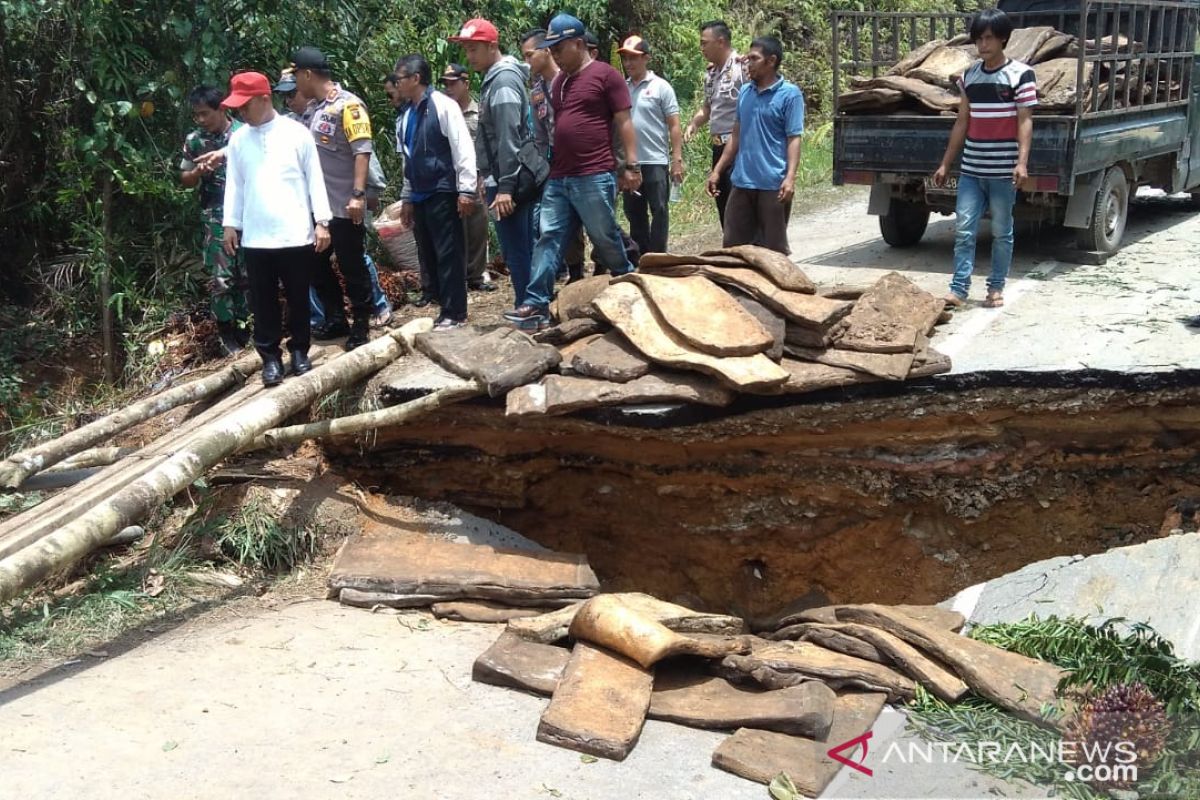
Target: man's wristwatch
633	166
358	193
324	223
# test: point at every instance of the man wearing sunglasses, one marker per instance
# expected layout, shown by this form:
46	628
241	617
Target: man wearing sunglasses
341	129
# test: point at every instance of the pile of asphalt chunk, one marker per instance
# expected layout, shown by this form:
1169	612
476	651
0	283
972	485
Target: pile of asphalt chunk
787	694
705	328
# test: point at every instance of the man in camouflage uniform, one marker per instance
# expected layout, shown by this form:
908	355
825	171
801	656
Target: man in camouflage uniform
226	276
341	129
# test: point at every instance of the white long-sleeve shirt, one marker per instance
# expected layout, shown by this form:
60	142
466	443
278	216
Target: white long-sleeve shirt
274	187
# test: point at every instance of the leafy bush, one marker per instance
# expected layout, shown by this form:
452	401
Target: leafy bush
254	538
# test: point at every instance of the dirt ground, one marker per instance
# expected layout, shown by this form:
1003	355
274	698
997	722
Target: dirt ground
290	695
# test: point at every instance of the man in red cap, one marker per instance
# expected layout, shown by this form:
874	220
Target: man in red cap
505	153
274	190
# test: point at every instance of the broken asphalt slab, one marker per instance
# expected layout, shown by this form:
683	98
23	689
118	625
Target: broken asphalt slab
404	562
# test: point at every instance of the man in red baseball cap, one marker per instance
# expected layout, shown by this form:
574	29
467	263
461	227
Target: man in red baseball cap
506	164
477	30
274	189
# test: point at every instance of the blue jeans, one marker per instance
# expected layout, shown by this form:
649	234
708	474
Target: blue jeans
567	203
379	301
516	233
976	195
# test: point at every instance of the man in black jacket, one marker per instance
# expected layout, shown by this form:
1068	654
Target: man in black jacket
439	184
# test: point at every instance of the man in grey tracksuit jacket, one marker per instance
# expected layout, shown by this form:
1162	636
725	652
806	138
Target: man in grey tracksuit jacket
504	128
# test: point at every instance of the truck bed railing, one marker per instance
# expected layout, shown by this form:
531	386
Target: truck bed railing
1155	69
1141	51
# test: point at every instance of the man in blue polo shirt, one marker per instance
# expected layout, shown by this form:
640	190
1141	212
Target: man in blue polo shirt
764	150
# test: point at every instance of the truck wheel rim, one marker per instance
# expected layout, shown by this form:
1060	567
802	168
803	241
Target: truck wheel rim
1112	213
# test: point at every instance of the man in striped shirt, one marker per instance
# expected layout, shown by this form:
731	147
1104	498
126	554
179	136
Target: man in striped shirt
995	122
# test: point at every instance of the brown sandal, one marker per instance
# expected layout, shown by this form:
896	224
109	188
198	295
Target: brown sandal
953	301
994	299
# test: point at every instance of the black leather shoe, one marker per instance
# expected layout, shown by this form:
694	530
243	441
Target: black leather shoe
300	362
332	330
227	336
358	334
272	372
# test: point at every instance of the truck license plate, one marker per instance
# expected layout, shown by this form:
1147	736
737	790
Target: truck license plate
949	187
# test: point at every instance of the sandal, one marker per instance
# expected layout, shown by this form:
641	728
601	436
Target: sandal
953	301
995	299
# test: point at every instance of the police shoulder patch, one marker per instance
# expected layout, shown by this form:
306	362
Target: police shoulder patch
355	122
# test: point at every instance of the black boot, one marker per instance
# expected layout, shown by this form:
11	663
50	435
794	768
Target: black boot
332	329
272	371
359	333
227	336
300	362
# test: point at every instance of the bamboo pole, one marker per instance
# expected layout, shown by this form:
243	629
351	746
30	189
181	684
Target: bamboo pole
24	529
97	525
19	466
370	420
96	457
109	357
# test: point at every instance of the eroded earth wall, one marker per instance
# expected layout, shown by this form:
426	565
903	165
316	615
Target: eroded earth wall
904	498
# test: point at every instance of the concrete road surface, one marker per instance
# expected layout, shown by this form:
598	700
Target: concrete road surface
1124	315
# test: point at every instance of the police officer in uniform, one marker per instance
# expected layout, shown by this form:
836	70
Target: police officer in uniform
342	132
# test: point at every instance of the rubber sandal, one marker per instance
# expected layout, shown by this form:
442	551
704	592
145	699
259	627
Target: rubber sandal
994	300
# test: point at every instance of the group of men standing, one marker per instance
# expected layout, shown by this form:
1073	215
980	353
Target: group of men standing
544	155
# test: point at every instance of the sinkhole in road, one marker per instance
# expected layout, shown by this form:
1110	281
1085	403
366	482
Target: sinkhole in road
896	494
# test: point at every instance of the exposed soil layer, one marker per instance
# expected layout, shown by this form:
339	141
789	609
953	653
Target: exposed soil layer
847	497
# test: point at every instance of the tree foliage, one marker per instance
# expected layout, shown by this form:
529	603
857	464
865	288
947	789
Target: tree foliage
94	90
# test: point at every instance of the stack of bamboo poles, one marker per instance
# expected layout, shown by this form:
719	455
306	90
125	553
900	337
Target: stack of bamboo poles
240	416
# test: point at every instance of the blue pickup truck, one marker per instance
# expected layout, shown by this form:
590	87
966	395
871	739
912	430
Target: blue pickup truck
1132	120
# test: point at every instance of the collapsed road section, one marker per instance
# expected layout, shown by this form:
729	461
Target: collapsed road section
902	494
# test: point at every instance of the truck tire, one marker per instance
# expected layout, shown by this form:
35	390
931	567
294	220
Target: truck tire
1110	211
904	224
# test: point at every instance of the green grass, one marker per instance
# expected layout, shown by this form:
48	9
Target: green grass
695	210
254	538
114	600
1095	656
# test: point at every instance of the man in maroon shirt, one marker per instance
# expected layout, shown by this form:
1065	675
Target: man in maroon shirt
589	98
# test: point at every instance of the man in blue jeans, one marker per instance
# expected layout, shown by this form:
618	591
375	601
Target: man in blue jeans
589	98
995	122
504	128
